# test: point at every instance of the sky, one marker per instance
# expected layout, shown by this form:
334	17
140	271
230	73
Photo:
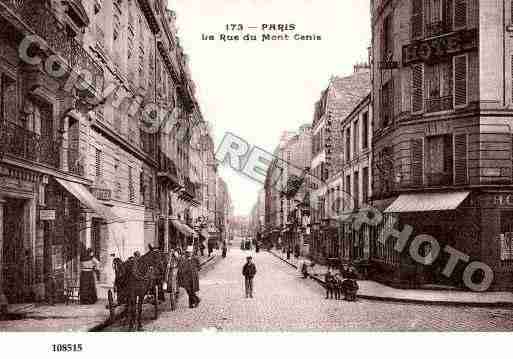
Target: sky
257	89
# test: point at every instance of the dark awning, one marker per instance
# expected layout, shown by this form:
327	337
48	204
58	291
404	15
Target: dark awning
81	193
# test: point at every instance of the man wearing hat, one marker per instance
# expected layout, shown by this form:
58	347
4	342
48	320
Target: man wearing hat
188	276
249	271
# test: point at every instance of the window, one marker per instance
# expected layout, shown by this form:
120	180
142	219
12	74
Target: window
365	185
439	160
348	144
98	164
348	184
365	130
356	188
8	98
356	135
387	38
387	101
439	18
439	84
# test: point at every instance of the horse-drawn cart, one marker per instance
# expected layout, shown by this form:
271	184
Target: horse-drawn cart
139	280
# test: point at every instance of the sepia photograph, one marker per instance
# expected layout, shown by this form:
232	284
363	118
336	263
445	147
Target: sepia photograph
255	166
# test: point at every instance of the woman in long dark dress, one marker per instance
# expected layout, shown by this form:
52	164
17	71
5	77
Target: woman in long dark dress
89	268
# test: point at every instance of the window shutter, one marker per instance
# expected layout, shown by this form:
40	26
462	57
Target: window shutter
417	19
447	13
417	162
417	86
460	14
460	81
460	158
448	156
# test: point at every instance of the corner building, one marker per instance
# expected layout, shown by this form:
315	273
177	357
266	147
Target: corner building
442	141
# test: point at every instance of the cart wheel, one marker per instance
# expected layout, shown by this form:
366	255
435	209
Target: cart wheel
110	298
156	303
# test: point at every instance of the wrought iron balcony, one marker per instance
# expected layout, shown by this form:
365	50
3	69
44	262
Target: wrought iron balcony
41	19
168	170
436	104
439	179
20	142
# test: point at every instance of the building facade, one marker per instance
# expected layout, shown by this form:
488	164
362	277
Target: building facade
337	101
79	164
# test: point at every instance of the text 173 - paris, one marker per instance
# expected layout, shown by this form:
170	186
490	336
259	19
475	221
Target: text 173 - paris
263	27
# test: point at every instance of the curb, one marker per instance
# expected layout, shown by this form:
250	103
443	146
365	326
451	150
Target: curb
109	321
412	301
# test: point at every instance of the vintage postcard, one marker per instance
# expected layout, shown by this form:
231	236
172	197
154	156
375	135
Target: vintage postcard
255	166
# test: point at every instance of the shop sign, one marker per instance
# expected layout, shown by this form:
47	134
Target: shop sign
440	47
102	194
503	199
47	214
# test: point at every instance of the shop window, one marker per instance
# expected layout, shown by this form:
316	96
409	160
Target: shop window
439	160
506	237
96	236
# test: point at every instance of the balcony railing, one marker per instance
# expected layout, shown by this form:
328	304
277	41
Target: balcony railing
20	142
41	19
439	179
167	165
439	104
437	28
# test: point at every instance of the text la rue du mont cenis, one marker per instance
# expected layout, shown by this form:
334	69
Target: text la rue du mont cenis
262	33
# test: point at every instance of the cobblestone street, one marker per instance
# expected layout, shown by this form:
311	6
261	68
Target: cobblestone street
284	301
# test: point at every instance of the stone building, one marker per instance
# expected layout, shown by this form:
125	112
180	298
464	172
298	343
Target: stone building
351	185
337	101
442	142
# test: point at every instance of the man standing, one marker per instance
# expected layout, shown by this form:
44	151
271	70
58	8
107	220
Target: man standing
249	271
188	277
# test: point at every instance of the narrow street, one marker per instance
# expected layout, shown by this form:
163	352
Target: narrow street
285	302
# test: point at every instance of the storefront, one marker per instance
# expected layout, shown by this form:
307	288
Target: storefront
452	218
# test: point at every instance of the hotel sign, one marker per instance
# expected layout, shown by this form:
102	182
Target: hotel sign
440	47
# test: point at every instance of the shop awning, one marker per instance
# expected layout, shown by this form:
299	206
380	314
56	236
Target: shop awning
424	202
81	193
183	228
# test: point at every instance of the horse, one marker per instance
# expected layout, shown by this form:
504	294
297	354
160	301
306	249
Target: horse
138	277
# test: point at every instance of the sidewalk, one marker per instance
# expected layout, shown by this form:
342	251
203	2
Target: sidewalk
376	291
61	317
